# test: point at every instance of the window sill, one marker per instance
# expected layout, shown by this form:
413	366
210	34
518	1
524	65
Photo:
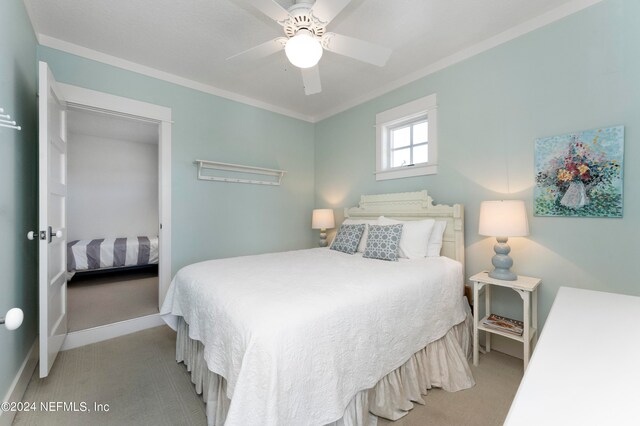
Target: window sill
409	171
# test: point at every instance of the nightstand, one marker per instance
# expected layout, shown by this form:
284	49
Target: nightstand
527	288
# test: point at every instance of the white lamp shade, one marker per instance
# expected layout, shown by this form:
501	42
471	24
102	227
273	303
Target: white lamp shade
303	50
322	219
506	218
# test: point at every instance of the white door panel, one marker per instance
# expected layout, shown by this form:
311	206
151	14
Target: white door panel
52	219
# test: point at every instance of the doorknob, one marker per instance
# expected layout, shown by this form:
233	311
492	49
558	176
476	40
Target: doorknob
57	234
34	235
13	319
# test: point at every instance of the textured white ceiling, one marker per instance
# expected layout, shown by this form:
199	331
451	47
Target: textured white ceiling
192	38
100	125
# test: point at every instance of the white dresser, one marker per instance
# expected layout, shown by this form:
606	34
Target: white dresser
586	367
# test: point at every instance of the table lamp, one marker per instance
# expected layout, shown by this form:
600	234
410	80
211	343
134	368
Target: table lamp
322	219
503	219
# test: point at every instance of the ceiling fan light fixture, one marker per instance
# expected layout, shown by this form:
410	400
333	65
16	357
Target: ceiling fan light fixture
303	50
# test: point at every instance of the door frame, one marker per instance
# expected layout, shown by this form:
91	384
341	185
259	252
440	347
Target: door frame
78	97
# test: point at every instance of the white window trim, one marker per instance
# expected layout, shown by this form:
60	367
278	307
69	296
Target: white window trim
405	112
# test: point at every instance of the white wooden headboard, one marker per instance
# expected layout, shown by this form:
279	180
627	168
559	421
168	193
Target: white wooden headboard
416	206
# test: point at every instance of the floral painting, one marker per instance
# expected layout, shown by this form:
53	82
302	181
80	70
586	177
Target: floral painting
580	174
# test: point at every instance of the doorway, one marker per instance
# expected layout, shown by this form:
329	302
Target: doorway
112	218
78	98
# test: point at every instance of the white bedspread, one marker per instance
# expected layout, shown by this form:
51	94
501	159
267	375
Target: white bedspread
298	334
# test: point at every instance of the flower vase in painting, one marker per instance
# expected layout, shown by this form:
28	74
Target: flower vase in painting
580	174
576	196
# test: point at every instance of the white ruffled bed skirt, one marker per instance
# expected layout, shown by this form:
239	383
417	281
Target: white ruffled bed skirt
442	364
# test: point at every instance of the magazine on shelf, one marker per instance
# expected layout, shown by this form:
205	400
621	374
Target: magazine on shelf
507	325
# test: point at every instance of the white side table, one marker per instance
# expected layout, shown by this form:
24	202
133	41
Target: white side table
527	288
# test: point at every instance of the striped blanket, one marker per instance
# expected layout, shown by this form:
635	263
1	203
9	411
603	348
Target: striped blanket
88	255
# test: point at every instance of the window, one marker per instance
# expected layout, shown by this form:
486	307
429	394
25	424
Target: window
407	140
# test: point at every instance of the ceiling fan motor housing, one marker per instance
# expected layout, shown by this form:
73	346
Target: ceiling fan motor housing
301	18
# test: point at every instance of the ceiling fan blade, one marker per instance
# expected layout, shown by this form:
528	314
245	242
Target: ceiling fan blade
326	10
261	51
357	49
311	80
272	9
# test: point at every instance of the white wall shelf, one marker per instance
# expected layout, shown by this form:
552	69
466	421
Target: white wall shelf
233	170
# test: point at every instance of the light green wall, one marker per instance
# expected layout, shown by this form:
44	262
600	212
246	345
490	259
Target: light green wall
579	73
214	219
18	161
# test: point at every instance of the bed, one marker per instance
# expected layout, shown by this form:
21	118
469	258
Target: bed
111	253
318	337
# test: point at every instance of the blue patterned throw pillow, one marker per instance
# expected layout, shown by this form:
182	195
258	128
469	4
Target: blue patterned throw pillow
348	238
383	242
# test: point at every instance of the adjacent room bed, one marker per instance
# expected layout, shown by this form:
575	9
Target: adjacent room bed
319	336
111	254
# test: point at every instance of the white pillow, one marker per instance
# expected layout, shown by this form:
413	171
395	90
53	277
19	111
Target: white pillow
435	240
415	236
363	241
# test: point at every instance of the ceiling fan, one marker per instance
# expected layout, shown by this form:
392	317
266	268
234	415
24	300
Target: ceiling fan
304	25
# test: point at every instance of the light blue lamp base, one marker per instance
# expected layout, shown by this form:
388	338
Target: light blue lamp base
502	262
323	238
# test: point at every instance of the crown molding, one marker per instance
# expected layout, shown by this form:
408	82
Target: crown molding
508	35
104	58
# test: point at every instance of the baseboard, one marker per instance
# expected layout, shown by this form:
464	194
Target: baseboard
105	332
20	383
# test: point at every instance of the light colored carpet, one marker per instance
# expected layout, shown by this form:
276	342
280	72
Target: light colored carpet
138	377
105	299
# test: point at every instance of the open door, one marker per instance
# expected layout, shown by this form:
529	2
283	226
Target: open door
52	219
